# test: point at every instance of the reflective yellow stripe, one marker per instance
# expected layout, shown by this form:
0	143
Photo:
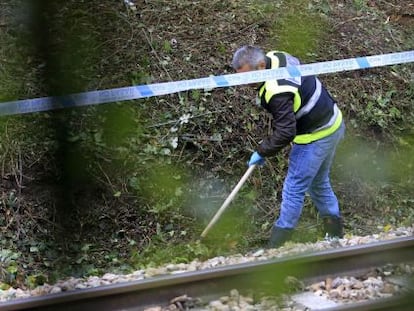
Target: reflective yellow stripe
297	100
275	59
308	138
261	91
273	88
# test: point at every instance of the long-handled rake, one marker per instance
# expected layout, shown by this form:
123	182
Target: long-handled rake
228	200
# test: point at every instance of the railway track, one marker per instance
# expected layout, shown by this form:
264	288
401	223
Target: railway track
266	277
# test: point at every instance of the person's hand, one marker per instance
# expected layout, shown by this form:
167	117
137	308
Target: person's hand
256	158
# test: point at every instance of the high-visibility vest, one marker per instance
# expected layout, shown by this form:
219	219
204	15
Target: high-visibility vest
317	115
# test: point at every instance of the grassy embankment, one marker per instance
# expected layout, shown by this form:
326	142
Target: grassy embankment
124	185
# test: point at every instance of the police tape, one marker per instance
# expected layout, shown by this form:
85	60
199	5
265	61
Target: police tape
164	88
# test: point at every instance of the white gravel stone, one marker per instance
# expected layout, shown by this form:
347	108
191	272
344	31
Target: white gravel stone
193	266
80	286
55	290
171	267
138	273
150	272
313	302
225	299
217	305
95	283
69	284
357	284
259	253
336	282
21	293
109	277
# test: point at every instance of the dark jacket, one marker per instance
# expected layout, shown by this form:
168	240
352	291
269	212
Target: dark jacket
301	107
283	125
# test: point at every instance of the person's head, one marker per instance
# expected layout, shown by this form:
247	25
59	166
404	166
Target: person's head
248	58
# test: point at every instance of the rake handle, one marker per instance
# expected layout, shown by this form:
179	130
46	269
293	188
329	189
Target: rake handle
228	200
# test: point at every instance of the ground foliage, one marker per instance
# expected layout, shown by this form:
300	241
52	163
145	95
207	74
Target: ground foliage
109	187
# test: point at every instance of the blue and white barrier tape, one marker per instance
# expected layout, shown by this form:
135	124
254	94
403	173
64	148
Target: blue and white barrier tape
157	89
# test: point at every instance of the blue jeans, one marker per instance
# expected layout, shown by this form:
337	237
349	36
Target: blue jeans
308	171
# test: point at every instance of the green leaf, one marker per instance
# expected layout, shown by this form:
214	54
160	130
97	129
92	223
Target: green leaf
165	151
34	249
178	192
86	247
73	139
167	46
134	183
4	286
12	269
98	137
117	194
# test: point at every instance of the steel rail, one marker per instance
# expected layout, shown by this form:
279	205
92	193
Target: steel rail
266	277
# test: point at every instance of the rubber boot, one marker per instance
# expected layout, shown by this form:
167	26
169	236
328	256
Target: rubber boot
279	236
333	227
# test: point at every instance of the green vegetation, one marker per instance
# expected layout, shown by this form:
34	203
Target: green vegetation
126	185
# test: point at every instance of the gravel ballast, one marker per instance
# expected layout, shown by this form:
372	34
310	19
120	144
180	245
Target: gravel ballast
339	289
